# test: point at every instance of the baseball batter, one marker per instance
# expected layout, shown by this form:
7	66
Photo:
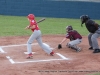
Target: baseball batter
94	30
75	39
36	35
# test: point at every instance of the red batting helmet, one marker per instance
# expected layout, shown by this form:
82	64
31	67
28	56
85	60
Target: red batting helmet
31	16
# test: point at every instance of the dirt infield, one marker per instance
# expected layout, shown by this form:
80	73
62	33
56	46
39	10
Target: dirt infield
65	61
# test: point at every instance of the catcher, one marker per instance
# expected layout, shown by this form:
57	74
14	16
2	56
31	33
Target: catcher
74	37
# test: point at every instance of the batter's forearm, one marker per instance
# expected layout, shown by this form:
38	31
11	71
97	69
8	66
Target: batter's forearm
27	27
30	27
63	40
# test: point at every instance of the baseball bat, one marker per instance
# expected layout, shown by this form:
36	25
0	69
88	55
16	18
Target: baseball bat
41	20
38	21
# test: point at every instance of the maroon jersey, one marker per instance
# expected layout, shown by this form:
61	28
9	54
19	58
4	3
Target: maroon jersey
73	35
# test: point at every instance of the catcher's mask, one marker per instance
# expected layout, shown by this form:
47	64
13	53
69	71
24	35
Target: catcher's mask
31	16
69	28
84	18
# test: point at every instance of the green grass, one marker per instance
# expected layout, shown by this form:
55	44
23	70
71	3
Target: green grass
14	25
93	74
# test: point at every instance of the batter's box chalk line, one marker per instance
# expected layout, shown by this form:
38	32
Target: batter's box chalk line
13	62
2	51
60	55
27	52
17	45
22	45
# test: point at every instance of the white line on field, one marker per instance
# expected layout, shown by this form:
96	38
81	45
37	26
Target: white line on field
8	57
20	45
40	60
17	45
1	50
27	52
12	61
63	57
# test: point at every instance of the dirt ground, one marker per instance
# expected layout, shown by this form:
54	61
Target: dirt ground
65	61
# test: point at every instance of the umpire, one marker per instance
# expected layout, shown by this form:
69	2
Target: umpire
94	30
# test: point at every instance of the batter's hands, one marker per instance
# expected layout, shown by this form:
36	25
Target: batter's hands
59	46
27	27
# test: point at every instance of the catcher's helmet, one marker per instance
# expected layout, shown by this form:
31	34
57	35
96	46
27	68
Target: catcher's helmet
69	28
84	18
31	16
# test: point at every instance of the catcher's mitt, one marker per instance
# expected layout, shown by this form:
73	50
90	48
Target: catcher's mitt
59	46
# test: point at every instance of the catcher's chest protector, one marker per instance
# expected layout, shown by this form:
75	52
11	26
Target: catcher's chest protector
90	26
74	35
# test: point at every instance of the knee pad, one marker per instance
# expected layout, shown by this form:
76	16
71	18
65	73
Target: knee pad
68	45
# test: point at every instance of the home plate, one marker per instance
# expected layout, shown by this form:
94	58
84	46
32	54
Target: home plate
51	48
27	52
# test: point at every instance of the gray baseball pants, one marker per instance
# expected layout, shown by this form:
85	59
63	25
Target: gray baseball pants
36	35
92	38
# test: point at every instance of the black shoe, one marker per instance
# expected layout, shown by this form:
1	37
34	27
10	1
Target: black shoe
91	48
96	51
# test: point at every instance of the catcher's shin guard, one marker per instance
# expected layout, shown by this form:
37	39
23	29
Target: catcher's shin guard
68	45
78	49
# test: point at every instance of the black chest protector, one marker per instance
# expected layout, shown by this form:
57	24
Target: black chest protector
90	26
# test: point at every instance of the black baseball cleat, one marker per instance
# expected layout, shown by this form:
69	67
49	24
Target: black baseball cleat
96	51
91	48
